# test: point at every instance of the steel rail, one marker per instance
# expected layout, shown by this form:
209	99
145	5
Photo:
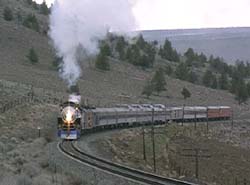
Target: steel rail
142	177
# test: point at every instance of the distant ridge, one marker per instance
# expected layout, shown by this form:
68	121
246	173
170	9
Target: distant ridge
186	29
230	43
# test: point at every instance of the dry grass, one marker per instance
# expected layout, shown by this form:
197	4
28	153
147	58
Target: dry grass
228	149
19	146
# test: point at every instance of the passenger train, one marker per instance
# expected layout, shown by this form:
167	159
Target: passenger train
75	118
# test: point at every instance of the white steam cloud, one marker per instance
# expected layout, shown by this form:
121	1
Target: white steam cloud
79	24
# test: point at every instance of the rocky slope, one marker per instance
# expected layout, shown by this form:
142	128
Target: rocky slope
22	154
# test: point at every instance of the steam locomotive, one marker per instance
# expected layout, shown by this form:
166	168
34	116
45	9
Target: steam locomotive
75	118
69	121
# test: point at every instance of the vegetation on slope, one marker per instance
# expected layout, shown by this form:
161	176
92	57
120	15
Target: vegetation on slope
193	67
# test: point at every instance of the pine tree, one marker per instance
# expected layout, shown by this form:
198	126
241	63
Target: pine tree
32	56
168	70
241	68
168	53
145	61
175	56
120	47
44	8
241	93
35	5
185	92
133	55
102	62
236	79
208	79
211	59
158	82
248	89
105	49
149	52
141	53
182	71
31	22
167	48
56	62
102	58
223	81
192	77
190	55
129	55
8	15
214	84
148	89
141	43
202	58
155	43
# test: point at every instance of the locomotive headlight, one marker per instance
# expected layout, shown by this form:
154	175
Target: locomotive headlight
69	115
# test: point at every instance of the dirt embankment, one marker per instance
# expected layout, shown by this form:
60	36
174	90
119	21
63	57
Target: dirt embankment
224	155
24	157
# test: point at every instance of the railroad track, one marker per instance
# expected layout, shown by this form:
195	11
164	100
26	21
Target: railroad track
71	150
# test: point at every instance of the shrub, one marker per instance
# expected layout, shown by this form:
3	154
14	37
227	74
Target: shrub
120	47
29	2
223	81
56	62
158	82
182	71
192	77
35	5
7	13
185	92
148	89
208	78
44	8
32	56
31	22
169	70
241	92
102	62
102	58
168	52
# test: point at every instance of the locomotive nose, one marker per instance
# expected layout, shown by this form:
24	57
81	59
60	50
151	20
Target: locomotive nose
69	115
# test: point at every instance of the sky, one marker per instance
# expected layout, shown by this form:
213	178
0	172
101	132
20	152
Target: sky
180	14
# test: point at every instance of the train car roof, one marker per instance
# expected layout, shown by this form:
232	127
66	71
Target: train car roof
110	110
219	107
176	108
195	108
122	105
191	108
158	105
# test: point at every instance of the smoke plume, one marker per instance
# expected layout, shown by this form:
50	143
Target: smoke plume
79	24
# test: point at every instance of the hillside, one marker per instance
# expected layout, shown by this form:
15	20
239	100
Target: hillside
102	88
24	156
229	43
222	144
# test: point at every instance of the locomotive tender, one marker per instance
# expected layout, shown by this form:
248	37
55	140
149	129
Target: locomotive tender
74	118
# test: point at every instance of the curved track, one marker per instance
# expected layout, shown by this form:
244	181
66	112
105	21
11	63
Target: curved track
70	149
